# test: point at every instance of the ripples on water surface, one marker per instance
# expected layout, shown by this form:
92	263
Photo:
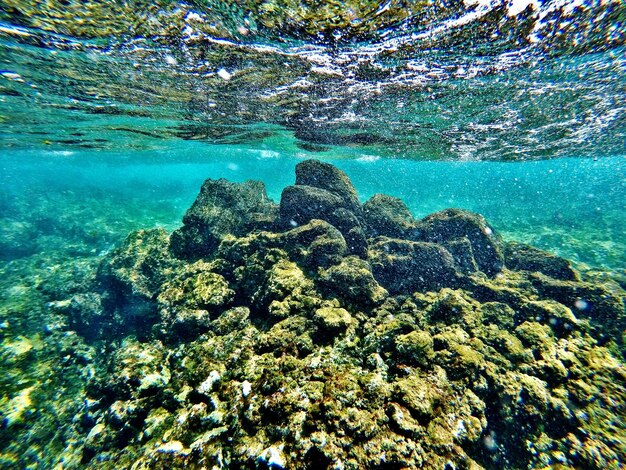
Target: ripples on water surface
113	113
418	81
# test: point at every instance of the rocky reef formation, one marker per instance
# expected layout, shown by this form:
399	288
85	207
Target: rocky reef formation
326	333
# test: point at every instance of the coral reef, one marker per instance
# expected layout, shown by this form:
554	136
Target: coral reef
326	333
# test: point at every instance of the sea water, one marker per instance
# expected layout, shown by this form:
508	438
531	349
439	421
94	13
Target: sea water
573	207
113	115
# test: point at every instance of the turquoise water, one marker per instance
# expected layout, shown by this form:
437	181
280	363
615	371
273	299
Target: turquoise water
119	352
573	207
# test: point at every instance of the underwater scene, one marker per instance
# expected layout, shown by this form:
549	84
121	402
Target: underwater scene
312	234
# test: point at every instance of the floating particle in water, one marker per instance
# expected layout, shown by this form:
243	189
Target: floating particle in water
224	74
268	154
383	9
172	447
192	16
233	167
12	76
581	304
273	457
490	441
60	153
170	60
518	6
368	158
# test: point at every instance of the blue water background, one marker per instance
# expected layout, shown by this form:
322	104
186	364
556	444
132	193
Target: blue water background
574	207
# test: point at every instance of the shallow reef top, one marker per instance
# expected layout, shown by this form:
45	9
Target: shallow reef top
321	332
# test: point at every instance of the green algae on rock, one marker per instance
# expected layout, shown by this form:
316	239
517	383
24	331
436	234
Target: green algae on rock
222	208
323	333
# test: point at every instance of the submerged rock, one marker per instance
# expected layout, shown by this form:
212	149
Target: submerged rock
406	266
387	216
604	305
317	243
354	337
325	192
88	317
17	239
453	224
350	226
300	204
129	280
222	208
352	280
188	303
528	258
333	321
138	267
330	178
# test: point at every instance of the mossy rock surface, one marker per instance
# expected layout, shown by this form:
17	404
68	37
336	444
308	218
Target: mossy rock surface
387	216
222	208
452	224
403	266
528	258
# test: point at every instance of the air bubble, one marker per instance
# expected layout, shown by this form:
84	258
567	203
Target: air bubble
224	74
581	304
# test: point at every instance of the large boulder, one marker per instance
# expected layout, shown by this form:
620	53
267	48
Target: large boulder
403	266
387	216
522	257
324	192
300	204
318	244
452	224
18	238
326	176
222	208
137	268
604	304
189	302
352	230
352	280
315	244
463	254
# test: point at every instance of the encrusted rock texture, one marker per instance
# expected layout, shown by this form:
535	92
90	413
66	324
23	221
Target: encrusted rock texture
326	333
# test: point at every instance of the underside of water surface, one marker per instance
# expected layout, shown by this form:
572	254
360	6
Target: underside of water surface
313	234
